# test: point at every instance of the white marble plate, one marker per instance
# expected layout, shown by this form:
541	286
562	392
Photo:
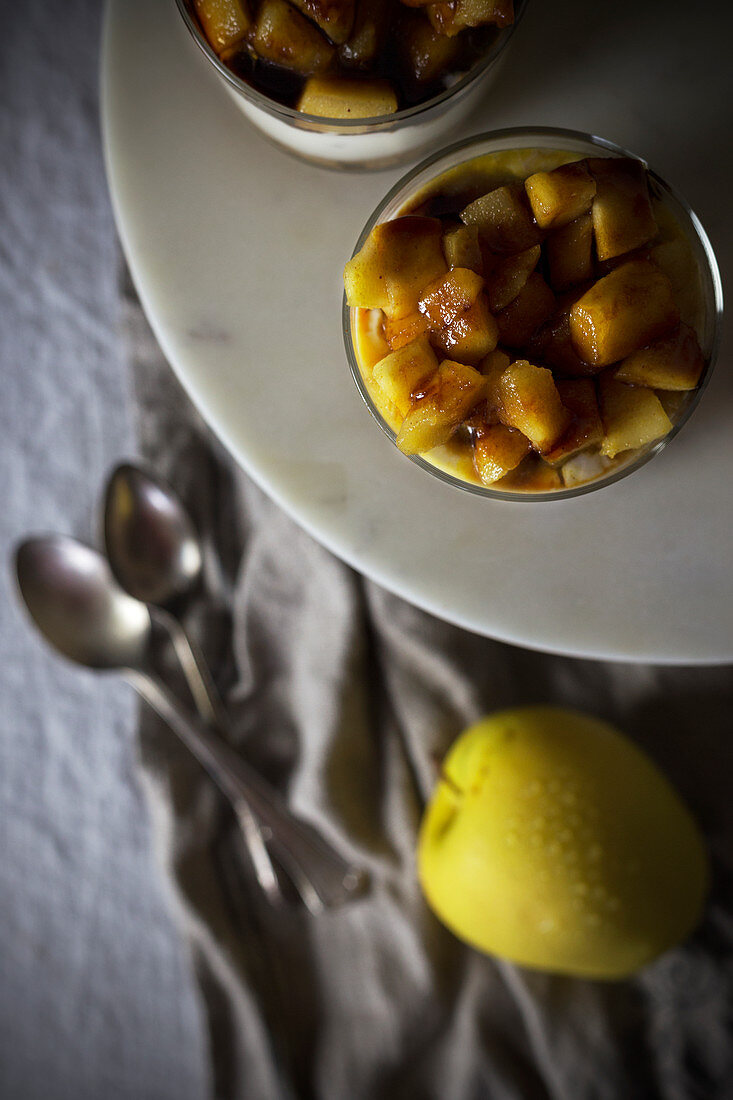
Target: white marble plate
237	250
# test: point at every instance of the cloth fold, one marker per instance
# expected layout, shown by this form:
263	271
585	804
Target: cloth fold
344	697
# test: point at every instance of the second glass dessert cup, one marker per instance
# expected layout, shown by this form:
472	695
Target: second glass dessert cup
361	143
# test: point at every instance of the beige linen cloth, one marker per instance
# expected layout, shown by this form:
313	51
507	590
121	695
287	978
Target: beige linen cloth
344	696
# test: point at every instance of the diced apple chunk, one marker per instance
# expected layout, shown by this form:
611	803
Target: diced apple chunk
425	53
472	335
632	416
368	33
673	402
570	253
534	304
450	17
444	403
492	368
334	17
676	259
578	395
623	312
503	219
623	218
497	450
459	316
553	344
673	363
285	37
497	360
345	97
403	330
224	22
366	287
531	403
401	372
560	196
461	248
450	296
398	259
508	275
605	267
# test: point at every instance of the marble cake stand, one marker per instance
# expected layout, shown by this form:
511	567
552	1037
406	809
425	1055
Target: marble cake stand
237	251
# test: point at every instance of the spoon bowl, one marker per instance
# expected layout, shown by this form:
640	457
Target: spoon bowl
78	606
152	545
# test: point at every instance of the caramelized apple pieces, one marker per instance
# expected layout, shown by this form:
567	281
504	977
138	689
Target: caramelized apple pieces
440	408
495	363
334	17
554	346
365	282
284	37
560	196
534	304
459	316
633	416
531	404
623	218
570	253
224	22
673	402
605	267
581	391
408	50
398	259
399	331
673	363
450	296
371	25
461	248
676	259
425	53
492	368
503	219
340	97
472	335
578	395
401	372
508	275
497	450
622	312
450	17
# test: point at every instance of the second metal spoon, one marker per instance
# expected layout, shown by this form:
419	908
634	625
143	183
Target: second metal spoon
156	555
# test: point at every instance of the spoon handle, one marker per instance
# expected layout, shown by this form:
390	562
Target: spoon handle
324	879
191	659
211	709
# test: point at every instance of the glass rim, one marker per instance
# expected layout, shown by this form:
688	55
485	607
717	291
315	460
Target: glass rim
357	125
524	133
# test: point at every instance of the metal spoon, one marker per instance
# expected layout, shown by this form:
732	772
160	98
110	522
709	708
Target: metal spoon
156	556
80	609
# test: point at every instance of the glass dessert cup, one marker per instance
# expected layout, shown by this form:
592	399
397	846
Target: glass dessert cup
515	154
364	143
